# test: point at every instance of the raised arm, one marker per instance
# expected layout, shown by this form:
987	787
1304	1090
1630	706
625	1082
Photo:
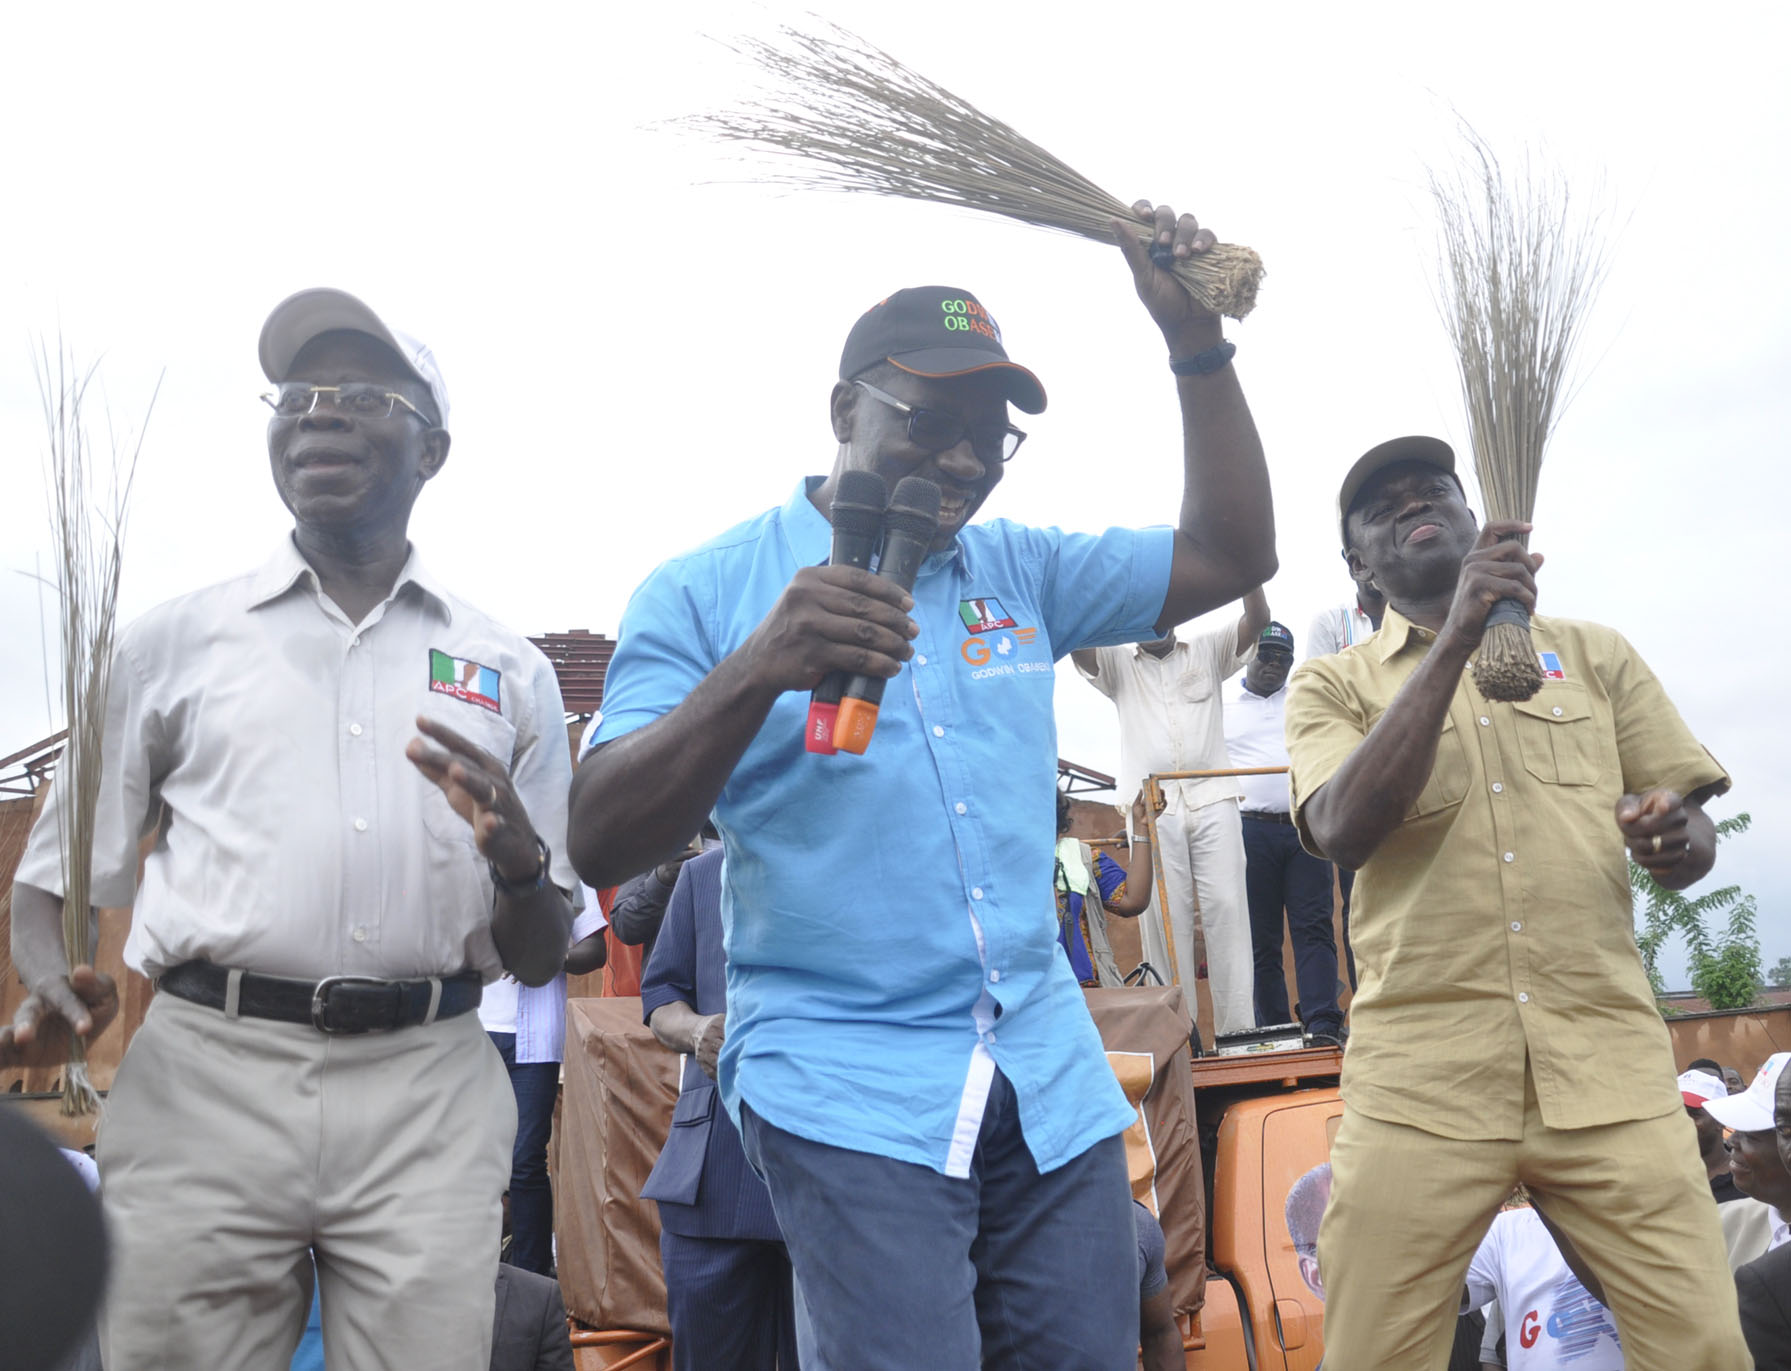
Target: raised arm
1141	868
1253	621
1368	796
1225	536
636	800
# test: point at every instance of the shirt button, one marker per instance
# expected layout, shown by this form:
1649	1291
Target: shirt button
1511	856
995	976
1484	721
1516	926
1523	997
961	807
989	1037
1498	789
354	730
976	892
1557	711
360	825
360	935
938	732
920	659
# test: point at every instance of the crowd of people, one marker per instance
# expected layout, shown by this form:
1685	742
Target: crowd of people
374	857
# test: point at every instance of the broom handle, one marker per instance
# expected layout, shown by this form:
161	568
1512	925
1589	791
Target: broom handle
1509	611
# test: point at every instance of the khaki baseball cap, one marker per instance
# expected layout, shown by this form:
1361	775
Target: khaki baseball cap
1416	448
299	318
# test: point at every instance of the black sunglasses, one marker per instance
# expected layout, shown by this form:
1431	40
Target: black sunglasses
933	430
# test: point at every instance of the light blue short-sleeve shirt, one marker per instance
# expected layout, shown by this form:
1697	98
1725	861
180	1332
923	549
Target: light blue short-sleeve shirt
890	925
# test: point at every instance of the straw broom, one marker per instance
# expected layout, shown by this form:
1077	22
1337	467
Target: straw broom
88	524
853	118
1518	273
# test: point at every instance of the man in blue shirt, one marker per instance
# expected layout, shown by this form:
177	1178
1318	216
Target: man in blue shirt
907	1053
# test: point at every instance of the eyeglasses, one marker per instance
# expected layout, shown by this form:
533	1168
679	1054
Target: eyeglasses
359	402
933	430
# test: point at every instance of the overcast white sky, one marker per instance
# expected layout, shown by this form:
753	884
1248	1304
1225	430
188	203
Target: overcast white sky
639	357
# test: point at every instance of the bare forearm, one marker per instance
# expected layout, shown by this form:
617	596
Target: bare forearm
587	955
1353	812
637	800
676	1025
1160	1337
1140	872
1253	621
531	931
1226	532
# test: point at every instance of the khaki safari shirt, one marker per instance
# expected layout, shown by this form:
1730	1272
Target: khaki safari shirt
1494	924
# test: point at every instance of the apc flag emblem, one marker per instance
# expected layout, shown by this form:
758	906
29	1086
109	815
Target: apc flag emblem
464	680
1551	666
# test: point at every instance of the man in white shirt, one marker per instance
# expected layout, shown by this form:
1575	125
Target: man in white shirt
326	894
1171	719
1345	625
1551	1320
1280	874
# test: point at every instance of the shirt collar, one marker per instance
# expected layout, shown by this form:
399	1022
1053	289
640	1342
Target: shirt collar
1395	632
810	536
287	567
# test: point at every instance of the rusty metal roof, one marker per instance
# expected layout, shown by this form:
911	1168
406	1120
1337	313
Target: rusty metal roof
580	659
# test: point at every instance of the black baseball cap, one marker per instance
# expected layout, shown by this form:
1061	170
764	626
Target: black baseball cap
936	331
1276	635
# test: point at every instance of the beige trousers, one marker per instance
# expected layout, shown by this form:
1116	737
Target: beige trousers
232	1149
1409	1208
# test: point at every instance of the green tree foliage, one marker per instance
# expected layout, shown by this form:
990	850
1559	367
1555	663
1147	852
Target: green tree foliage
1780	975
1725	966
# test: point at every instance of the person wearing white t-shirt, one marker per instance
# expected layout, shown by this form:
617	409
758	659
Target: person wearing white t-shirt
1551	1320
1170	719
1347	624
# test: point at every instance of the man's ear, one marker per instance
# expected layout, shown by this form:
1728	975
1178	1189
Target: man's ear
435	453
841	405
1358	569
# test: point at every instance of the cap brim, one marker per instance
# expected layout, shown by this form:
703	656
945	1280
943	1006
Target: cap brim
1694	1101
1433	452
299	318
1741	1112
1023	388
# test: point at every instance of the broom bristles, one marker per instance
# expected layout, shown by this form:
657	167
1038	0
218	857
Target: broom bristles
1517	276
88	524
850	117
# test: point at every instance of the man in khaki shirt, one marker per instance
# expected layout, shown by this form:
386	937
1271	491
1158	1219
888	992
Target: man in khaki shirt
1504	1029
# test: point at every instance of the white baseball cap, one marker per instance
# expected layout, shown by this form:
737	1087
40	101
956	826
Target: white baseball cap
1751	1111
1700	1087
299	318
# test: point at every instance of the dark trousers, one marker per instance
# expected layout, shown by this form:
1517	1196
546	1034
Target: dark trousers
730	1303
1281	875
531	1197
1346	883
899	1268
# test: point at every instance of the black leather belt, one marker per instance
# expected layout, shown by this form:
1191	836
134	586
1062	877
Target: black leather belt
336	1004
1268	816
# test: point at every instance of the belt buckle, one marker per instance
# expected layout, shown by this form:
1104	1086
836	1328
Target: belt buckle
320	1003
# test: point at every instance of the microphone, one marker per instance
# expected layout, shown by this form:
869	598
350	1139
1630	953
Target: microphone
908	530
857	513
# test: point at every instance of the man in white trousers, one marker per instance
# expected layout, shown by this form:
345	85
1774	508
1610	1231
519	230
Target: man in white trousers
1170	719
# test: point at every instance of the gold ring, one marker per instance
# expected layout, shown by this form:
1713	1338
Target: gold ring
1655	850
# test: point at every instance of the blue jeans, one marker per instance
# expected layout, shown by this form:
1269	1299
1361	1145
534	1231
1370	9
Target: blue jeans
900	1268
1280	875
531	1197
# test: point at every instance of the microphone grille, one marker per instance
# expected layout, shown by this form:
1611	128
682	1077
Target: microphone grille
914	508
858	502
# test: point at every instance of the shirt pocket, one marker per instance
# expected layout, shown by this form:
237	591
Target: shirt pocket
483	728
1557	736
1448	782
1196	687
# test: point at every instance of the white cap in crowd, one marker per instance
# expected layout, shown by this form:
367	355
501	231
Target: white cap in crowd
299	318
1698	1087
1751	1111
